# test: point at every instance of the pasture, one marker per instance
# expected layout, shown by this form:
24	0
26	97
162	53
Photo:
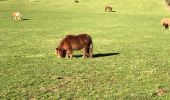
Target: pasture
131	50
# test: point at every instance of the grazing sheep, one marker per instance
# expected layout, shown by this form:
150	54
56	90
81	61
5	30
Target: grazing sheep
108	9
16	16
165	22
75	42
160	92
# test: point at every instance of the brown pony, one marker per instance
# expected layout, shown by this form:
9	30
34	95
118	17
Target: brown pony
108	8
75	42
165	22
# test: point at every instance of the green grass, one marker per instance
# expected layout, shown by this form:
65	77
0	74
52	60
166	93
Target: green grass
29	68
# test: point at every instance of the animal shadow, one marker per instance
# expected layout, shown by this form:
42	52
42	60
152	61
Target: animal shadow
104	55
111	11
99	55
25	19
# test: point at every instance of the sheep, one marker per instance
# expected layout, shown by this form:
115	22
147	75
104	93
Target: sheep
17	16
165	22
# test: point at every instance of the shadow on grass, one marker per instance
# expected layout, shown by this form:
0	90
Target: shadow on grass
104	55
111	11
99	55
25	19
3	0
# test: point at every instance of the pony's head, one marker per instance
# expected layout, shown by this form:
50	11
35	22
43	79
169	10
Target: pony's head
61	53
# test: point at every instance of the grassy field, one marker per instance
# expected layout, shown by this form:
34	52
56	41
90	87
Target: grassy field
131	50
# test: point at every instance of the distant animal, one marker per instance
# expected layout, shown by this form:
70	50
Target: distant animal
76	1
75	42
17	16
108	9
165	22
160	92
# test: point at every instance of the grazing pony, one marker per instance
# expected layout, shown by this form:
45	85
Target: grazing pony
108	9
75	42
165	22
76	1
16	16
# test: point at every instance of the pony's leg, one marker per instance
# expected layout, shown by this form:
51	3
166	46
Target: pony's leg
85	49
110	9
69	54
106	9
91	52
58	56
17	18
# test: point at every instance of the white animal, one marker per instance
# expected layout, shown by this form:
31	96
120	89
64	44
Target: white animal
17	16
